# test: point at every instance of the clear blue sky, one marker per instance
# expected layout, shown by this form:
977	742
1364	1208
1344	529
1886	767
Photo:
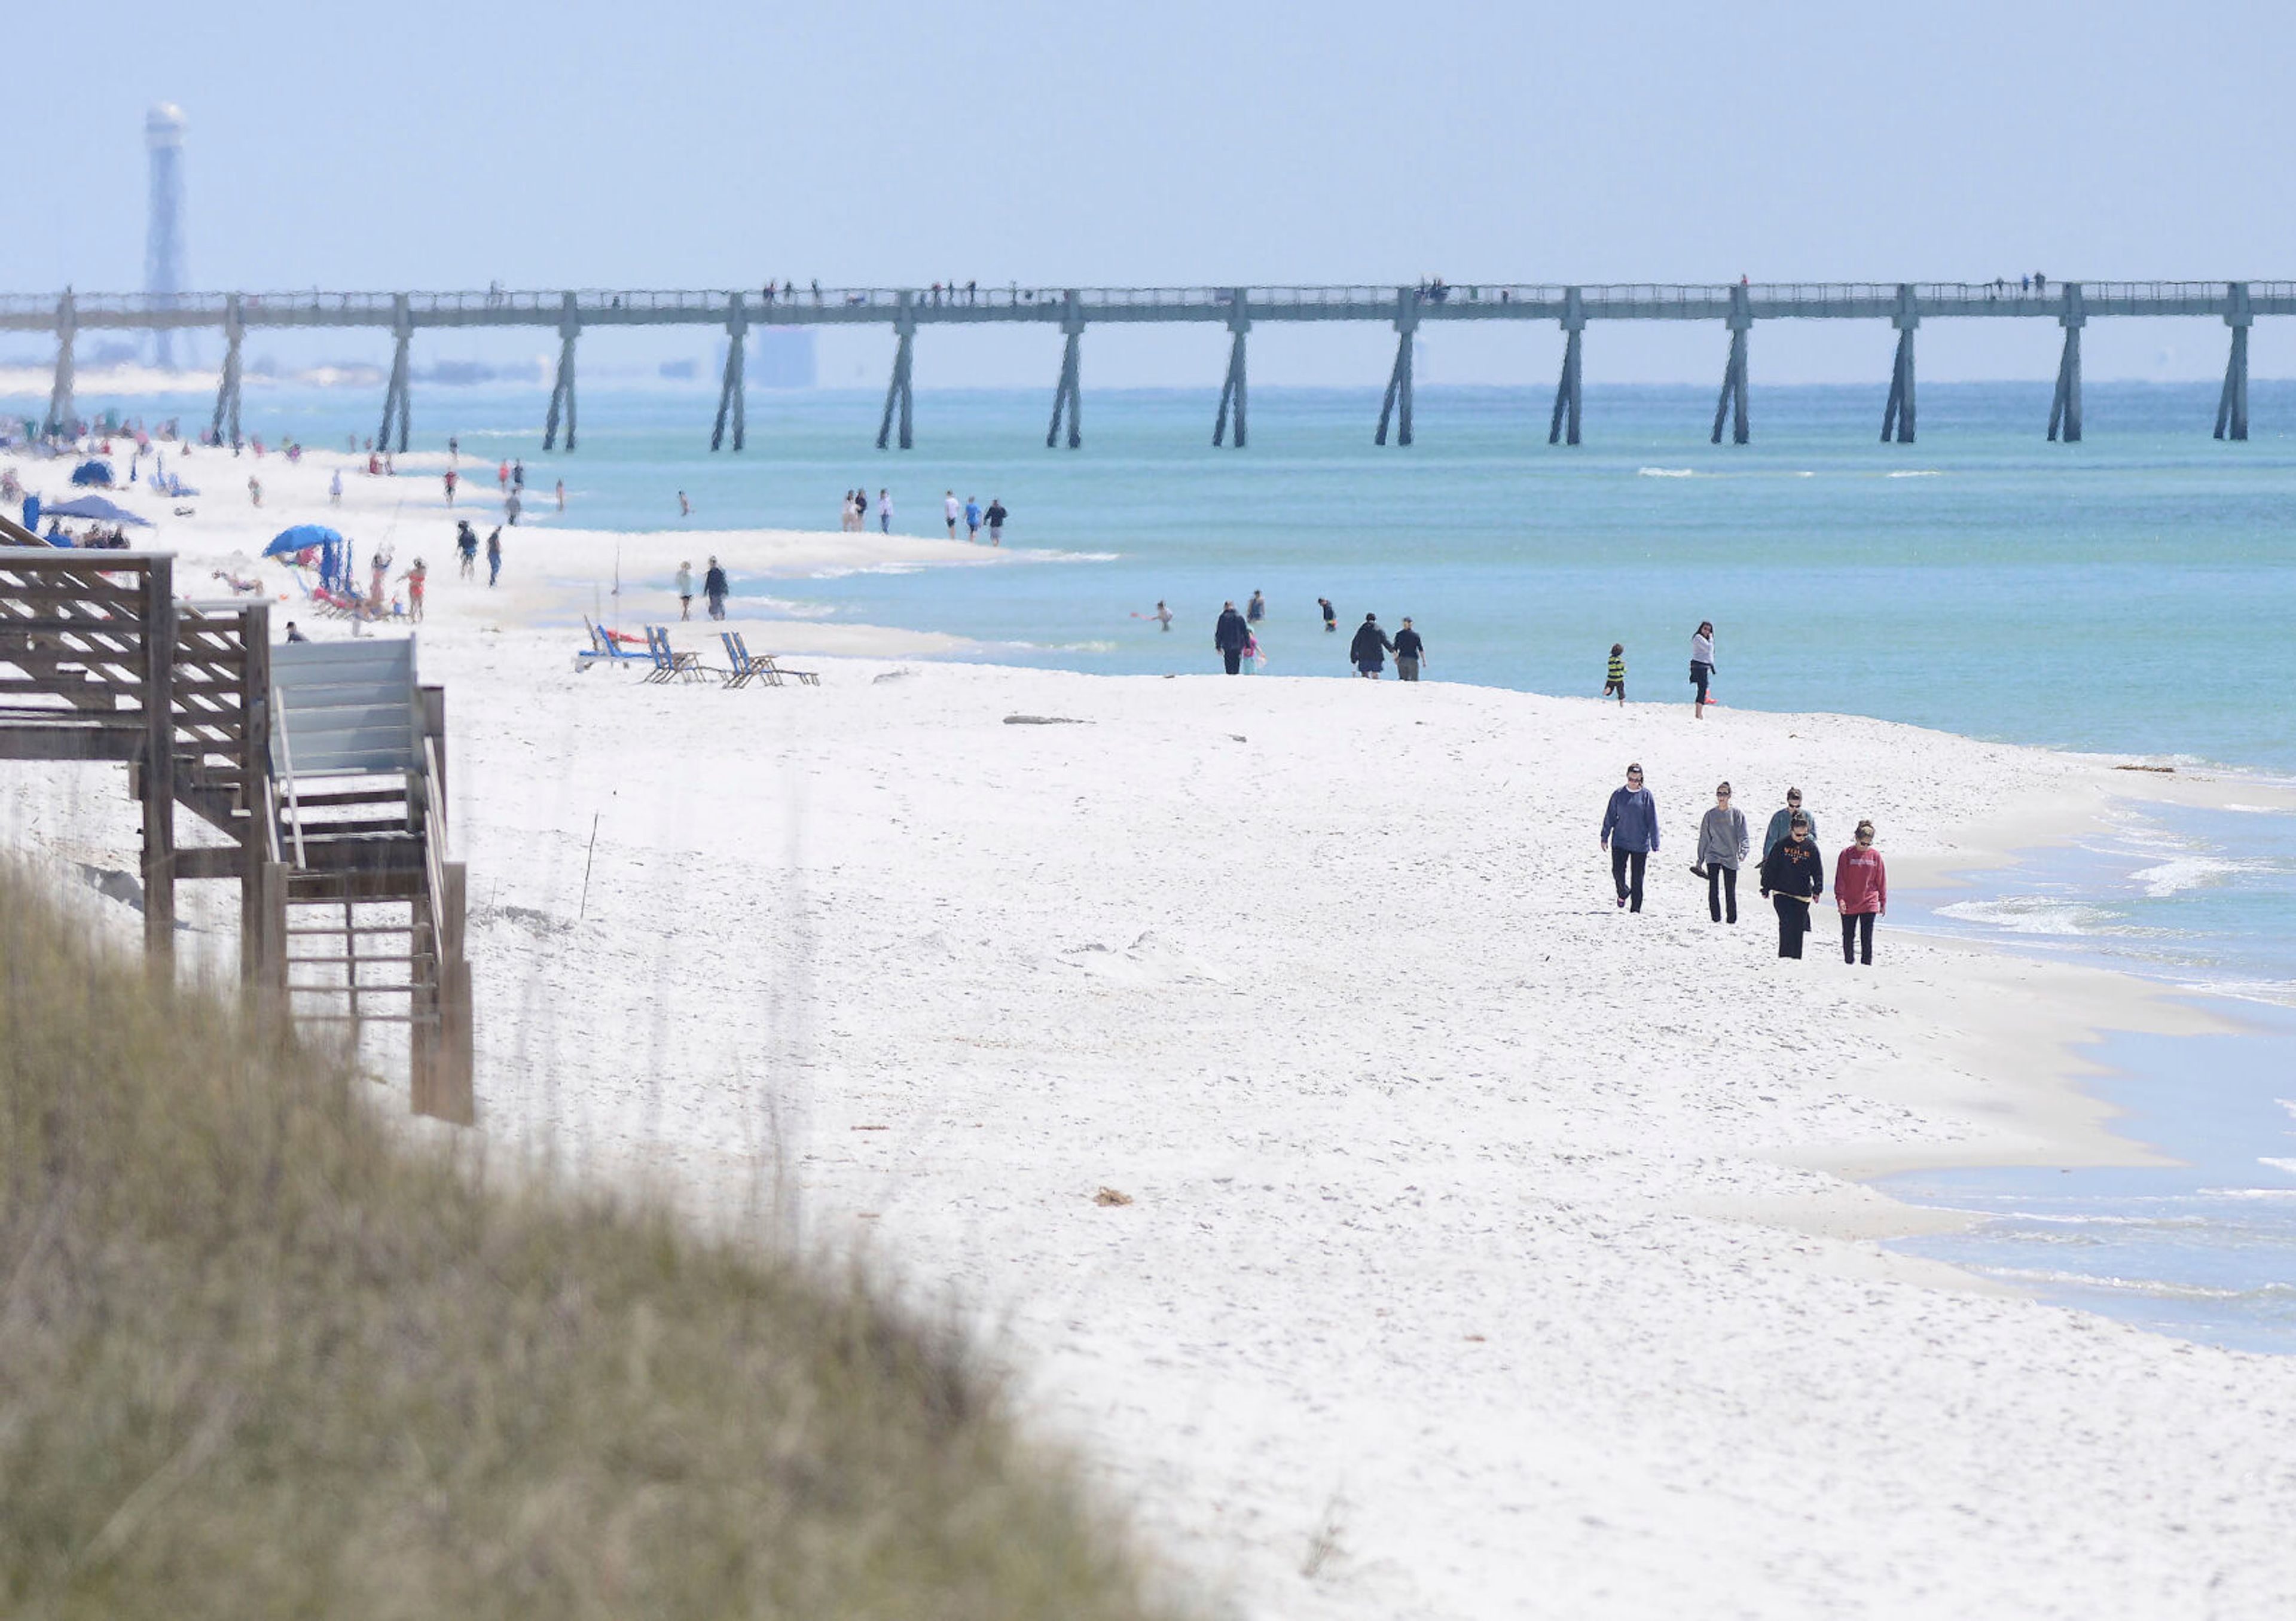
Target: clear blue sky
876	141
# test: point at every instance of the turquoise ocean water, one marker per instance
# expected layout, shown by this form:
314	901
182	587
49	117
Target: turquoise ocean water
2134	593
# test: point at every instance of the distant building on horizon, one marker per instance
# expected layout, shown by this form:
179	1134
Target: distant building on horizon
163	237
780	357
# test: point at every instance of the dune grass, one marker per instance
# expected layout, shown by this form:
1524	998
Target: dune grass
257	1358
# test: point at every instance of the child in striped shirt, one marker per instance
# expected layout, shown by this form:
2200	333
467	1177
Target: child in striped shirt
1618	681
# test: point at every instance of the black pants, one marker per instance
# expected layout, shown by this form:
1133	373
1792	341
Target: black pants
1793	922
1857	936
1234	657
1701	673
1721	882
1627	873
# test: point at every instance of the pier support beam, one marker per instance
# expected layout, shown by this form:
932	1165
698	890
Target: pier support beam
1233	391
733	393
60	398
561	393
394	399
226	411
1563	425
2232	405
1898	415
896	392
1732	403
1397	403
2065	408
1067	394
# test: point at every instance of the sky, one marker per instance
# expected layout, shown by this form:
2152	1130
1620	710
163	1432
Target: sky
884	142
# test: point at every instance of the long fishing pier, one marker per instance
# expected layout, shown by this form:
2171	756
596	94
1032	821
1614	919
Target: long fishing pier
1733	307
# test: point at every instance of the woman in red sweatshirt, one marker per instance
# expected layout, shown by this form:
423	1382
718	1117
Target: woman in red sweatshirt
1861	888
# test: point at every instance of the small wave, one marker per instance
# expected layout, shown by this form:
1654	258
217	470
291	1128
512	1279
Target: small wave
2272	993
1035	556
2104	1221
2158	1289
2033	915
1666	472
1049	647
1916	473
2180	874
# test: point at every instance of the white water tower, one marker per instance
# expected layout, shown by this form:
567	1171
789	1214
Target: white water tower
163	241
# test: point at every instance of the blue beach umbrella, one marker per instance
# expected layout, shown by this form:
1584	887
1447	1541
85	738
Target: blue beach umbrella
95	475
332	549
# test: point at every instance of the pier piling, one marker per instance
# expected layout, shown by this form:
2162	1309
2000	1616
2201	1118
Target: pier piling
60	398
2065	408
1397	403
1067	394
226	411
1733	401
896	391
733	391
1898	415
1233	391
2232	405
394	398
1563	425
561	392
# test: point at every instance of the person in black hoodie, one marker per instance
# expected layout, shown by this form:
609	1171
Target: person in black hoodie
715	587
1369	650
1230	636
1793	875
1410	651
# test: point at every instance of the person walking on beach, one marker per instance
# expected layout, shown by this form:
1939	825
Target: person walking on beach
1793	875
466	545
1861	891
1630	834
451	480
517	475
1702	664
1369	650
714	588
501	476
950	510
1722	843
334	489
973	520
1331	614
1254	660
255	490
1615	681
416	578
1229	636
996	515
494	556
685	591
1256	610
562	494
1782	822
885	512
512	506
1410	651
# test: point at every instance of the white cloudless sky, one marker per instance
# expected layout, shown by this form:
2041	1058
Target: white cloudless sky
427	144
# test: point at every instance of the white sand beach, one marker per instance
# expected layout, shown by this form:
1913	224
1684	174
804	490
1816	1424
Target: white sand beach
1489	1252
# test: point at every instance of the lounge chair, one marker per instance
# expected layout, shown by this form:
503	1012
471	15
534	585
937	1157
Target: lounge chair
669	665
763	664
606	648
745	670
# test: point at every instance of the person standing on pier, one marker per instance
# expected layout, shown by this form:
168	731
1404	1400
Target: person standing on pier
494	556
1702	665
1630	834
685	591
1410	651
1369	650
884	511
950	510
996	515
1229	636
1793	875
1861	891
714	588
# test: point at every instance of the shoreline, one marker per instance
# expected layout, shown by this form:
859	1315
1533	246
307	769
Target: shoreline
1456	1194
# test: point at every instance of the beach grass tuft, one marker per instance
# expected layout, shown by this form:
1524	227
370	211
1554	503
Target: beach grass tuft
261	1355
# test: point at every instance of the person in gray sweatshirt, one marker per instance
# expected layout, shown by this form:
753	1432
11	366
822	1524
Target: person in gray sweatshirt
1782	822
1722	843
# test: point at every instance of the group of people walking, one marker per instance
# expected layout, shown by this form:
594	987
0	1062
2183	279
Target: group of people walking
1236	638
854	516
466	549
1791	871
1702	669
714	586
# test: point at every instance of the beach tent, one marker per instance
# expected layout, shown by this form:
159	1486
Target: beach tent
93	475
334	551
96	507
